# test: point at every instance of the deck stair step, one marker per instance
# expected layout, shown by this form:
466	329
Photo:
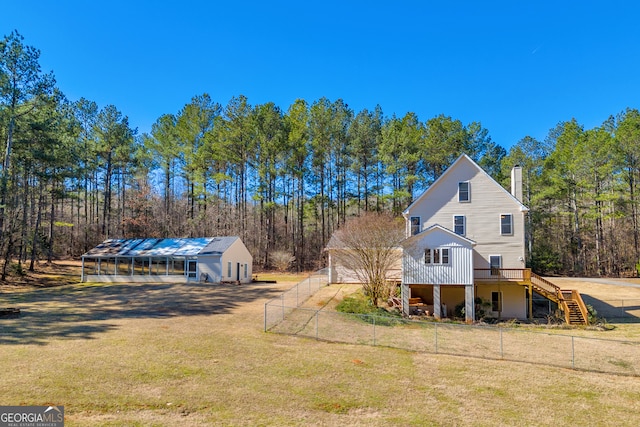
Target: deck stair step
575	314
569	301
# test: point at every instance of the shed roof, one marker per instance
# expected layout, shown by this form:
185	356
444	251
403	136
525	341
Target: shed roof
161	247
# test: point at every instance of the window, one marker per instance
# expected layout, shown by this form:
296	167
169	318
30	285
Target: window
495	263
458	224
506	224
246	270
436	256
229	269
463	191
496	301
415	225
445	256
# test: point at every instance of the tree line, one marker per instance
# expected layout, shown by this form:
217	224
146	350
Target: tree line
74	174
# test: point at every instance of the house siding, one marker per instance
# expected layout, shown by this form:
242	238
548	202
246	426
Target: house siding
210	265
513	300
458	271
340	273
482	213
237	253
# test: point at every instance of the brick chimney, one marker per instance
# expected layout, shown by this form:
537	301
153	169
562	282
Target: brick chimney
516	182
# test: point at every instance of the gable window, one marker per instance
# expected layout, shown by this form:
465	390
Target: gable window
436	256
506	224
459	224
496	301
415	225
463	191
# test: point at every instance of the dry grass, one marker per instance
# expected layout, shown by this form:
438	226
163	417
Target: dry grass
193	355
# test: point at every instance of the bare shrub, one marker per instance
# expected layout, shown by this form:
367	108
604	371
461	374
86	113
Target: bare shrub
369	246
282	260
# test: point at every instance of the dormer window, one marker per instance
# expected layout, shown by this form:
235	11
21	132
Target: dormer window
464	191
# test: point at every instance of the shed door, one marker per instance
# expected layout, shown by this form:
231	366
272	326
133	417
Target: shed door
192	268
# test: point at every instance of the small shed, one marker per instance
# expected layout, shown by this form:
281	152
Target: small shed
202	259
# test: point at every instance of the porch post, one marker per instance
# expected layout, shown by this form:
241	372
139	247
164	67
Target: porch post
530	289
437	306
405	294
469	304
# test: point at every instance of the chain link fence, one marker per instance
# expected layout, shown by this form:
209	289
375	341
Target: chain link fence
620	310
277	309
555	348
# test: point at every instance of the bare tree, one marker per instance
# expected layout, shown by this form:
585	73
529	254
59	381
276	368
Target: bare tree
369	245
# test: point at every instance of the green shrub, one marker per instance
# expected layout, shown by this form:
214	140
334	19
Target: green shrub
357	303
360	306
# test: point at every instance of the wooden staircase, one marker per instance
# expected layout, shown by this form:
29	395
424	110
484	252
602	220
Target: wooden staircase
575	315
569	301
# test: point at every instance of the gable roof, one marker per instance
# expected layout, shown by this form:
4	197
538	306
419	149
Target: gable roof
436	228
151	247
458	163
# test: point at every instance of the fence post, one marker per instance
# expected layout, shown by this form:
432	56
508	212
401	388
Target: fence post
374	330
436	333
573	354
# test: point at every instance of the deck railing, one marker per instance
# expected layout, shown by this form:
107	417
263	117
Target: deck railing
499	274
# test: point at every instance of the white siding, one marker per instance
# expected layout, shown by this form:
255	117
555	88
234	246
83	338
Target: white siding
341	273
210	265
459	271
237	253
488	201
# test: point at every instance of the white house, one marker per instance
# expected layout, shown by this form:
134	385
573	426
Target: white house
466	243
204	259
465	249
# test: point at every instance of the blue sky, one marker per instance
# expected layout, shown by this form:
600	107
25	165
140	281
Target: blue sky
518	67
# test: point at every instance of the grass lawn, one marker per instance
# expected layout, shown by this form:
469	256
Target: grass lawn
123	354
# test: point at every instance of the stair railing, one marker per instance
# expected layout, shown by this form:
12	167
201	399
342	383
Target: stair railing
545	285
